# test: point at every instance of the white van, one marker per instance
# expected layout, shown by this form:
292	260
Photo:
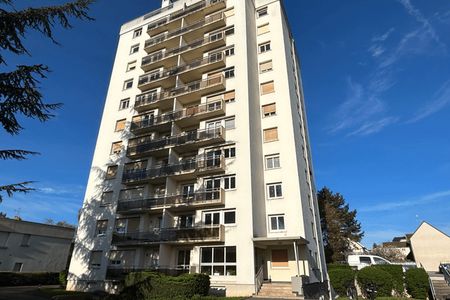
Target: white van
362	260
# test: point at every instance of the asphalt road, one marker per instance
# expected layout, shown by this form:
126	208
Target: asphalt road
21	293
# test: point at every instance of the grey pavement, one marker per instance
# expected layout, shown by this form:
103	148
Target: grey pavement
22	293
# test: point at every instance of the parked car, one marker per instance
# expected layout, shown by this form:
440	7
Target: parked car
360	261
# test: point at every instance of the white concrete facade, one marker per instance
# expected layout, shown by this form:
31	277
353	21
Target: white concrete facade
33	247
210	149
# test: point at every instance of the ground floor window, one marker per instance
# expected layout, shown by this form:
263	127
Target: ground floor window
218	261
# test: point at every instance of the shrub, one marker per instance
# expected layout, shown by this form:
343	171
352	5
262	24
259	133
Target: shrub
417	283
21	279
63	278
396	272
150	285
341	279
381	279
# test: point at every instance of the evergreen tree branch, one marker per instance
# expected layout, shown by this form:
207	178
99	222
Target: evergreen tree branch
21	95
21	187
13	25
16	154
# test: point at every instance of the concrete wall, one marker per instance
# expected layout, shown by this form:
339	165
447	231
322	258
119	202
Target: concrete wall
430	247
38	247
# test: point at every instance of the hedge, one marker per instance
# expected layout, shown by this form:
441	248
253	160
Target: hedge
417	283
338	266
62	277
150	285
396	271
341	279
381	279
22	279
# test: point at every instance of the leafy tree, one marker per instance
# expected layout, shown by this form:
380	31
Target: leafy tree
339	225
19	87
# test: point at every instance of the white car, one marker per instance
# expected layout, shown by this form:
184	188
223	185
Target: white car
362	260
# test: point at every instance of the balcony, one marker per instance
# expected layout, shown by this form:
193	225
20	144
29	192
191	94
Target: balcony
169	57
196	234
189	116
189	32
152	99
194	69
172	20
188	141
196	89
186	169
182	201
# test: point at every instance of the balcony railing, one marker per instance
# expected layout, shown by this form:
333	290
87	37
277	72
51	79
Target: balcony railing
199	198
149	120
181	13
199	165
163	37
156	57
167	235
203	61
191	87
147	144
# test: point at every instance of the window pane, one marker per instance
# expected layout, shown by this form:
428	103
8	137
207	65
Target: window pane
219	254
271	191
278	190
205	270
280	223
233	182
230	217
208	219
218	270
216	218
206	255
231	254
231	270
273	223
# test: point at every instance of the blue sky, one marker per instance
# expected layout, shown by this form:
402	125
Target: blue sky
376	76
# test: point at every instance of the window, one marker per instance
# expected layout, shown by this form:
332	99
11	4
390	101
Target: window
137	33
134	49
132	194
263	29
272	161
100	229
274	190
229	73
25	240
111	172
229	123
269	110
265	66
218	261
276	223
380	261
229	182
211	218
128	84
365	260
267	87
124	103
229	217
262	12
131	66
95	259
229	152
264	47
184	259
229	97
280	258
116	147
186	221
106	198
229	30
4	236
18	267
270	135
120	125
229	51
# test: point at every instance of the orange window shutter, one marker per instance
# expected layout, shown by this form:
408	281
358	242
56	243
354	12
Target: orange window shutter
267	87
280	258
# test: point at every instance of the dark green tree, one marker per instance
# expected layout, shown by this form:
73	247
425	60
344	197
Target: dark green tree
339	225
19	85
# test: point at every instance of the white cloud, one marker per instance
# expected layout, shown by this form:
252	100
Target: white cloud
370	127
439	101
390	205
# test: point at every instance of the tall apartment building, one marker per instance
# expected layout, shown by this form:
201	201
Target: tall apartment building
202	162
